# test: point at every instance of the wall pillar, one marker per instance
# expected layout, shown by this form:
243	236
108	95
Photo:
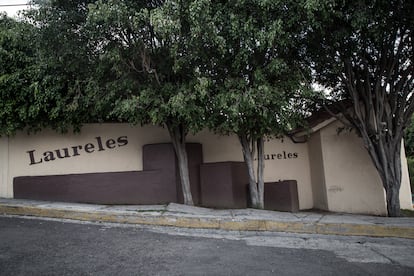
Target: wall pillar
320	200
5	190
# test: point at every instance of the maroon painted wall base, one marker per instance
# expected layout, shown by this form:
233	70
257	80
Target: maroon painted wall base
281	196
223	184
158	183
217	185
146	187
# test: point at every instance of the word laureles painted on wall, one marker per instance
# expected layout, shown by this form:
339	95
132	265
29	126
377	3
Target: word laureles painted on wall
72	151
281	155
284	155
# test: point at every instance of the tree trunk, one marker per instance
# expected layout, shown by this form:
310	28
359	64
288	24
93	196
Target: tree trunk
386	156
392	181
248	154
393	201
178	135
260	170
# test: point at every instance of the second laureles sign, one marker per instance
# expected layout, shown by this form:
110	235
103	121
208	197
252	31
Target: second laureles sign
98	145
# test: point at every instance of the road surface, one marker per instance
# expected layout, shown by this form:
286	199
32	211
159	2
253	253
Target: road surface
31	246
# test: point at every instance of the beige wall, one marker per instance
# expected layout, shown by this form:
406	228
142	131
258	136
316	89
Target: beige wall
4	168
405	190
123	158
351	180
352	183
317	172
333	171
278	165
129	157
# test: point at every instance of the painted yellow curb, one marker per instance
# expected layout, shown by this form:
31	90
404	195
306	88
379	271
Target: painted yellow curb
347	229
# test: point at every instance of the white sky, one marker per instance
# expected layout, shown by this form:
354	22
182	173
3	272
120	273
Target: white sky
12	10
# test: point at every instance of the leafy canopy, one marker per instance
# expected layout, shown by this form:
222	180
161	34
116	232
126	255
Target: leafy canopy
18	105
148	59
253	63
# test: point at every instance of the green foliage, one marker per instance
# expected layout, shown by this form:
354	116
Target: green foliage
46	68
252	59
409	151
167	62
64	61
360	34
18	105
410	163
409	139
407	213
147	55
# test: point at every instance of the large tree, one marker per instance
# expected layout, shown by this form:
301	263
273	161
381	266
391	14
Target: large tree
257	80
363	52
149	61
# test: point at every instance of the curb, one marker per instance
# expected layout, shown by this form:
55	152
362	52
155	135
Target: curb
170	219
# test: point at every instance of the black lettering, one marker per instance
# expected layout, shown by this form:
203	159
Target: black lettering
32	158
75	150
290	155
266	157
89	148
279	156
295	155
284	154
48	156
110	143
59	155
99	140
273	156
122	141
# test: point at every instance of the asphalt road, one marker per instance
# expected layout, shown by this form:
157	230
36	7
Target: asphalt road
45	247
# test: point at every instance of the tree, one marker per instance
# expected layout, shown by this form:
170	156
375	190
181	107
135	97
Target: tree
149	60
61	66
255	75
112	60
16	73
363	52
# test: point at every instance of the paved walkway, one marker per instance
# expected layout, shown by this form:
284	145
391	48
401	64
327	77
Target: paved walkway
178	215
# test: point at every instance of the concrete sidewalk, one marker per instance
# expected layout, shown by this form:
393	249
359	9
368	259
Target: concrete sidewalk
178	215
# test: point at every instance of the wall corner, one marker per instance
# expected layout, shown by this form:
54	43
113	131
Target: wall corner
5	189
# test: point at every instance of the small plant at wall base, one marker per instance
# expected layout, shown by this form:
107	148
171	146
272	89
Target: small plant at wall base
410	163
409	151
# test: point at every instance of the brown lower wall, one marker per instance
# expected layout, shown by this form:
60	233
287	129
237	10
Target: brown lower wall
158	183
218	185
223	184
281	196
143	187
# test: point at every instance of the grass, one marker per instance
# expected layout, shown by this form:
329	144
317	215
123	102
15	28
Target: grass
407	213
